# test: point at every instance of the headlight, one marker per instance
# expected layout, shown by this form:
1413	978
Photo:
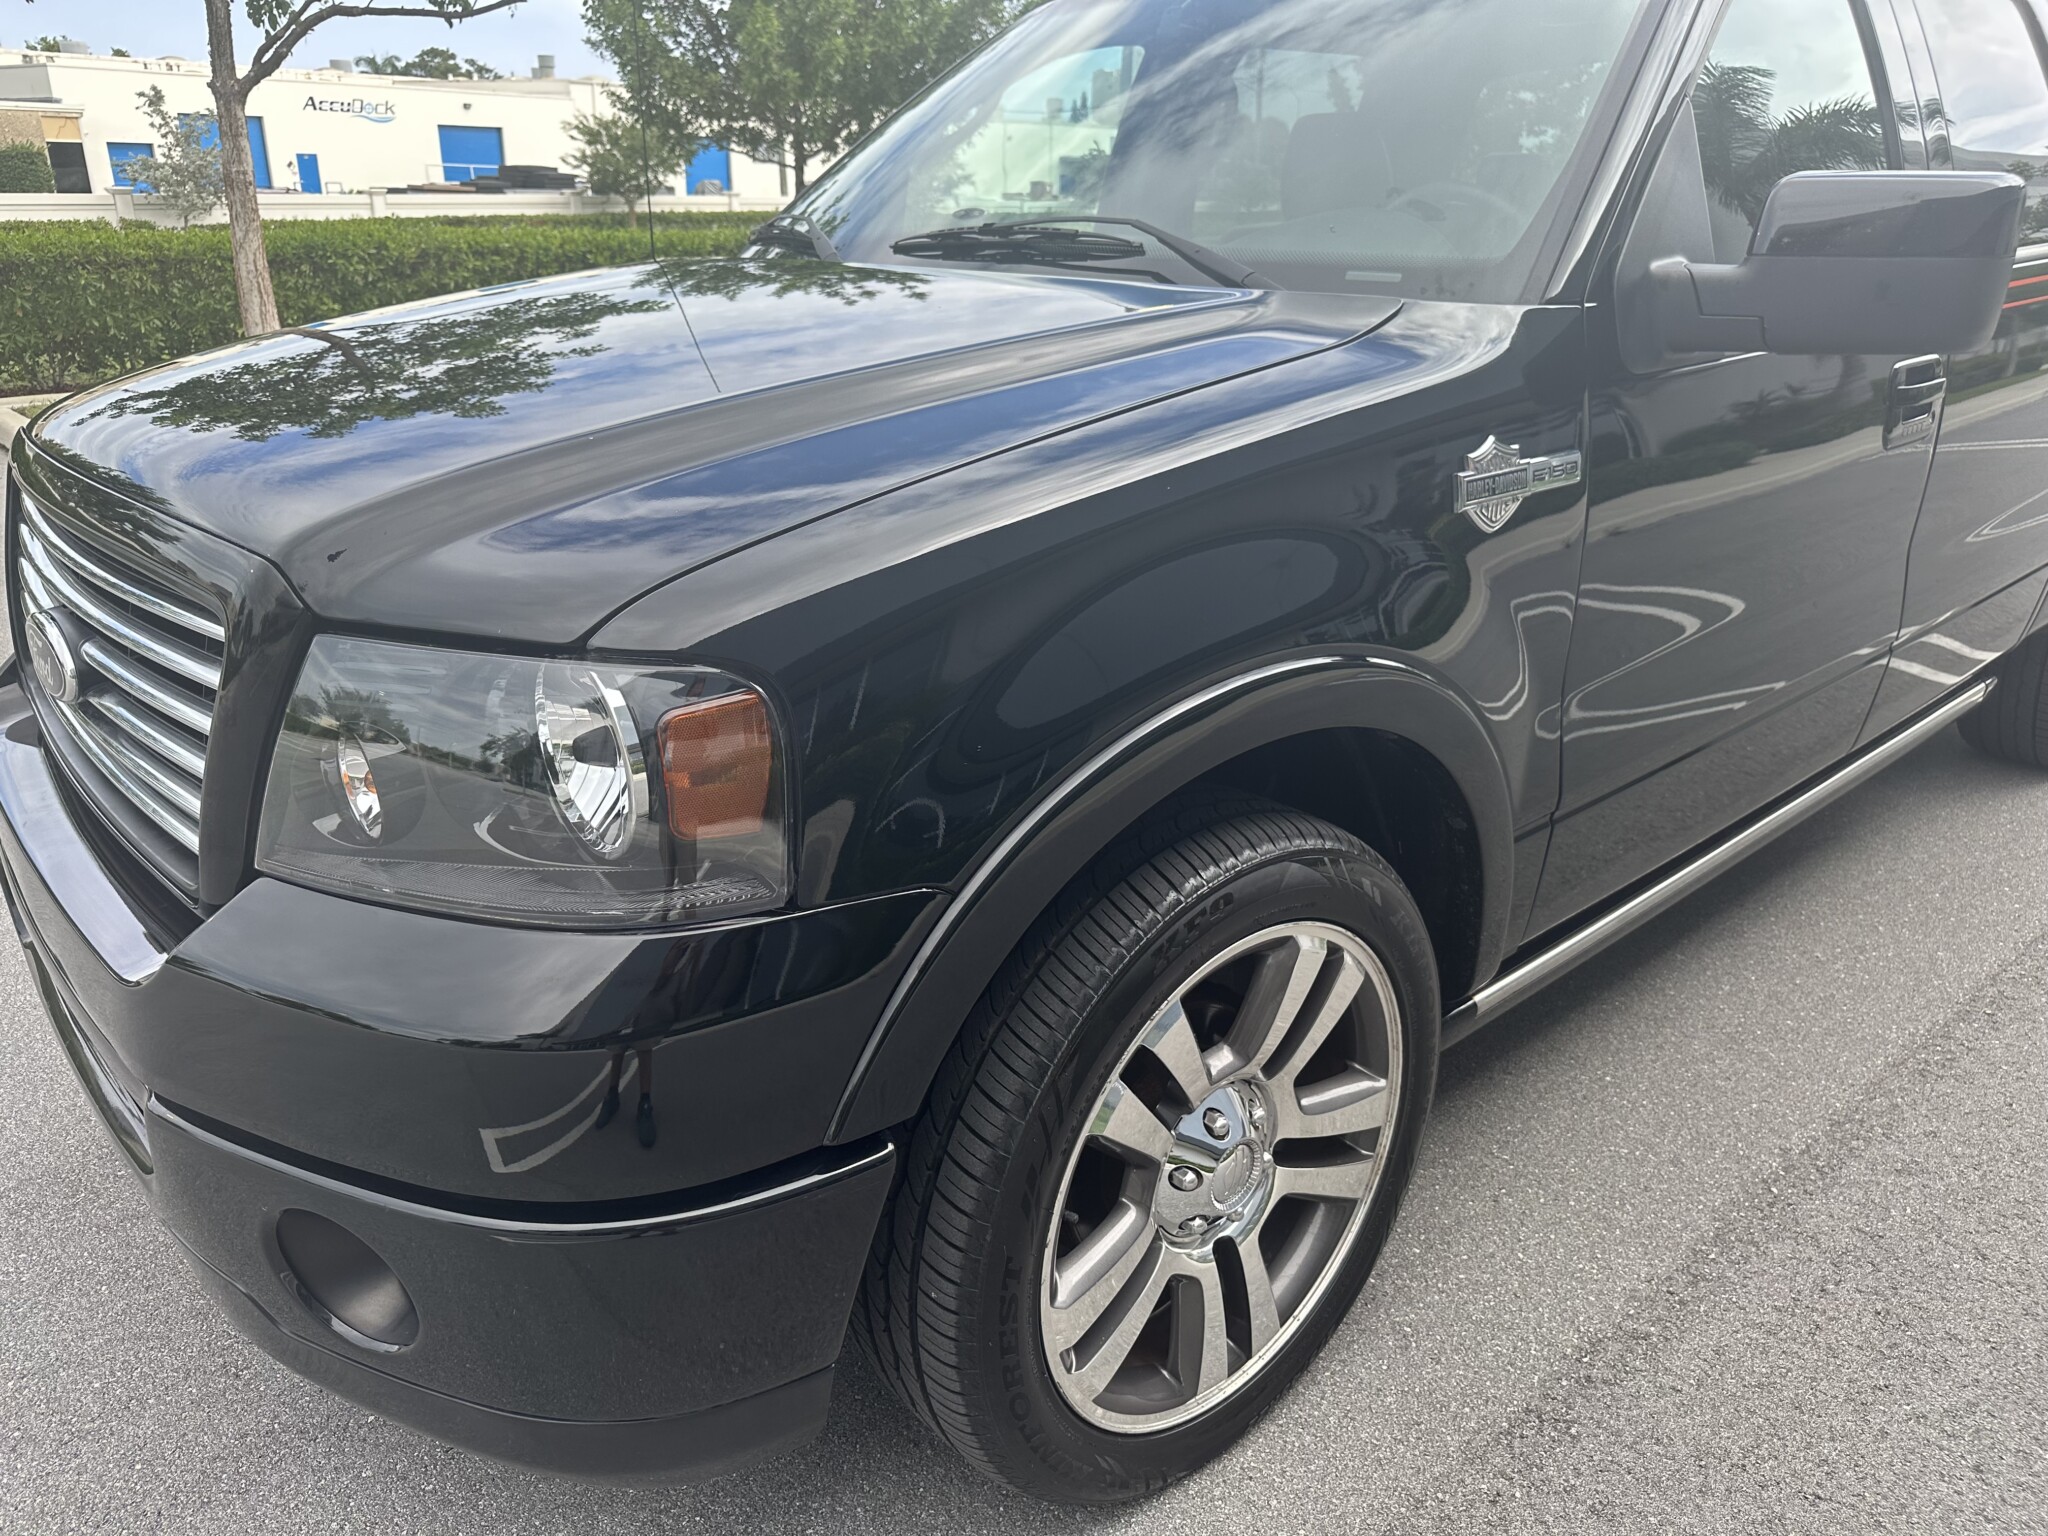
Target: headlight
570	793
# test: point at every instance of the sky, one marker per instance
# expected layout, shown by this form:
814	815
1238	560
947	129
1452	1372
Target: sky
508	40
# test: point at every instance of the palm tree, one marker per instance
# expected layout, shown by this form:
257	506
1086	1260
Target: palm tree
1745	150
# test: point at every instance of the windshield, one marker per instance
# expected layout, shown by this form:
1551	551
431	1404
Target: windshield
1391	146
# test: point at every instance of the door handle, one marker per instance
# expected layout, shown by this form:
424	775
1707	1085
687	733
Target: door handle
1913	405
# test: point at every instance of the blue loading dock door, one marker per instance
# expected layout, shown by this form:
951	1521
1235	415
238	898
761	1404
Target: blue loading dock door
467	153
710	163
259	147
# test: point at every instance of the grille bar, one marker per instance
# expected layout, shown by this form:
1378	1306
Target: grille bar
151	661
149	733
184	828
168	786
183	614
173	655
190	711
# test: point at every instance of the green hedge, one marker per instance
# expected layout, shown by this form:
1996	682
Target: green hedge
83	301
26	168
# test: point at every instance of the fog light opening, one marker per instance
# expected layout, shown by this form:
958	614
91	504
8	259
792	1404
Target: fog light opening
343	1281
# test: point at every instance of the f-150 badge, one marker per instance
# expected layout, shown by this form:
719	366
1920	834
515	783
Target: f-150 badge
1496	479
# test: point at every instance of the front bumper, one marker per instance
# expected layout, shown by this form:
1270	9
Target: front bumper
617	1334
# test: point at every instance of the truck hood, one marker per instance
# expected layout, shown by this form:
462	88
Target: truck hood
521	461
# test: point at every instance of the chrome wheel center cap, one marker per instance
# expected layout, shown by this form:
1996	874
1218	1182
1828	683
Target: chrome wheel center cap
1218	1168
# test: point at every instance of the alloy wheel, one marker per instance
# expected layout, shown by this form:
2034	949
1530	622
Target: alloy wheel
1221	1177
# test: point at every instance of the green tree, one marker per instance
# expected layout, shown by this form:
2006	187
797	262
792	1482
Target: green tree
622	157
47	43
183	171
427	64
1745	150
281	25
789	82
25	168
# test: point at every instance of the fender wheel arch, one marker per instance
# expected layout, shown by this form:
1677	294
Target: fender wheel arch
1085	814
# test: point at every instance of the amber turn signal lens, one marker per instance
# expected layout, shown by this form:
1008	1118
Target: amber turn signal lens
717	762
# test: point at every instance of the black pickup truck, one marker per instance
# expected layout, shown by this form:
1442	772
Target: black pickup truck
947	780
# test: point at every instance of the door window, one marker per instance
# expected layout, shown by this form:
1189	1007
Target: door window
1787	87
1993	111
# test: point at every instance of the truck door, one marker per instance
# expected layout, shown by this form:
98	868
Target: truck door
1748	527
1978	555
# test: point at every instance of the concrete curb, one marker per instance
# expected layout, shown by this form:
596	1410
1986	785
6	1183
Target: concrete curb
14	415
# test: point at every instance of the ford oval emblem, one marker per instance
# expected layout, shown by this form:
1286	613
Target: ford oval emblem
49	652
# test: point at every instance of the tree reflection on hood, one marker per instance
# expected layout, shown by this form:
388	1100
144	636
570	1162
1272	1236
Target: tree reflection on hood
461	361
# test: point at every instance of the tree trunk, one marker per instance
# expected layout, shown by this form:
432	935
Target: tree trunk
796	155
253	295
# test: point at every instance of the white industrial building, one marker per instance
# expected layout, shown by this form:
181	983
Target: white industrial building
330	131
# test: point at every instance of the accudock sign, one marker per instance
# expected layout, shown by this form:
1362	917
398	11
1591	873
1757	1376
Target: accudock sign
369	111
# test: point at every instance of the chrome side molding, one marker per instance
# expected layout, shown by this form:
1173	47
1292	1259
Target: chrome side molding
1520	981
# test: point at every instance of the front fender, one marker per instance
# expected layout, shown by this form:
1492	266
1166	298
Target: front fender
1019	873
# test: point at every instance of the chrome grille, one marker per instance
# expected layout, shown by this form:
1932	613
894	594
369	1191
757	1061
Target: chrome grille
152	660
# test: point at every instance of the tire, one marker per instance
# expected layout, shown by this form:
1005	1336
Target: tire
2013	722
1213	916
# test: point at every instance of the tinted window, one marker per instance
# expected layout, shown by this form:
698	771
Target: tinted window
1786	88
1416	146
67	164
1994	102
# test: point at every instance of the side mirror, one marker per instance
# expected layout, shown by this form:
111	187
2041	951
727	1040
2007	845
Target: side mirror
1851	261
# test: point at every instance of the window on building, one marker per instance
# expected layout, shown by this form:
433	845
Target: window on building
118	156
67	165
1994	97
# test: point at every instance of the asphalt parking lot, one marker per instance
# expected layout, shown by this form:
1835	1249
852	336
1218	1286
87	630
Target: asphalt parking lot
1743	1227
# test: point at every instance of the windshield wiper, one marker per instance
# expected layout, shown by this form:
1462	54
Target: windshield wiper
1042	239
1026	241
795	234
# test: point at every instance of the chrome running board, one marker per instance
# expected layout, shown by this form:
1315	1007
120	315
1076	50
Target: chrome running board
1517	983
